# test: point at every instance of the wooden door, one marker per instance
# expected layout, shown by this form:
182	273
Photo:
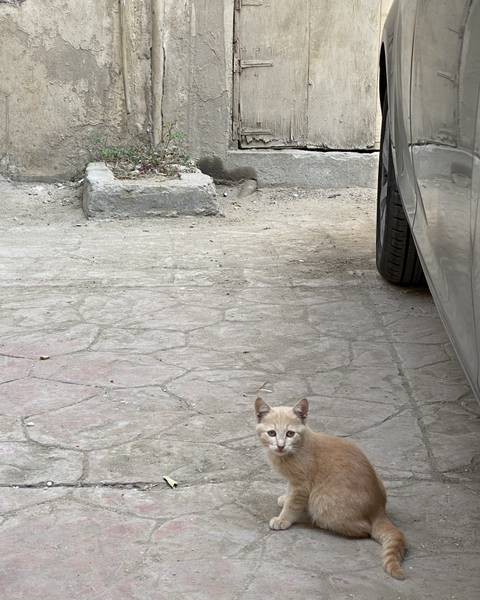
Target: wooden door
307	73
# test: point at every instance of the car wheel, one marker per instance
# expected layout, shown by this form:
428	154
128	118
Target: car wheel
397	258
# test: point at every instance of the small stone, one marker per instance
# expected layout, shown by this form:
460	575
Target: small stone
44	357
49	483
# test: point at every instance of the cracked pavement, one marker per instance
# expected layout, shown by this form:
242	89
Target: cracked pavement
133	350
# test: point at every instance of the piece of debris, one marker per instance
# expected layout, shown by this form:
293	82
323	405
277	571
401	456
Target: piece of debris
171	482
265	388
334	195
44	357
49	483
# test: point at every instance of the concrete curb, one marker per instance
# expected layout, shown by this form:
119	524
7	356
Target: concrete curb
104	196
306	169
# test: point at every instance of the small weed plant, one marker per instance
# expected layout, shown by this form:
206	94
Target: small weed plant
167	159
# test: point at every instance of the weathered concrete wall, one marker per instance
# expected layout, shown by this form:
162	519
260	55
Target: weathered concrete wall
198	53
61	82
61	79
199	94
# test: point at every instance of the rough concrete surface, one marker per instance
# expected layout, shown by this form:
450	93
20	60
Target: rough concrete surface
105	196
304	168
61	85
156	336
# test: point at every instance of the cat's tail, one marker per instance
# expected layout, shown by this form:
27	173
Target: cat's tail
393	544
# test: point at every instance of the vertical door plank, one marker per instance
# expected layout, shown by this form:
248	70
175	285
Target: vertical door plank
343	73
273	57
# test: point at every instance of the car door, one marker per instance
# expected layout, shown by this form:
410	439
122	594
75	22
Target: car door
476	242
444	101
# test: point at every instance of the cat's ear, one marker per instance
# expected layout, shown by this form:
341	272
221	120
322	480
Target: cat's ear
301	409
261	409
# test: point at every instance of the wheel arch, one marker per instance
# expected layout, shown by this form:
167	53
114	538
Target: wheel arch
382	78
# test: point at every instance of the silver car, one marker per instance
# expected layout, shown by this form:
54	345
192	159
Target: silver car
428	214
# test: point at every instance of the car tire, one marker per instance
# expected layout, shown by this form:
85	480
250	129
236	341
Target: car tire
397	258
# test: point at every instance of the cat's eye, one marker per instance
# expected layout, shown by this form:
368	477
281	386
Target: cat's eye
272	433
290	433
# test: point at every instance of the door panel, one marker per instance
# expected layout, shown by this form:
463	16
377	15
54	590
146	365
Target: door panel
307	73
273	65
445	80
343	48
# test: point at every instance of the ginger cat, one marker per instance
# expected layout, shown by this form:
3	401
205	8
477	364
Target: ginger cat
329	479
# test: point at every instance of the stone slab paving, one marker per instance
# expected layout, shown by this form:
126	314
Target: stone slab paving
156	336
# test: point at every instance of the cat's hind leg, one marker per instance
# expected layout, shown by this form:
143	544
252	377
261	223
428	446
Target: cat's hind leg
327	512
352	529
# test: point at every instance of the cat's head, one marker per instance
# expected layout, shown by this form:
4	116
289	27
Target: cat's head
281	429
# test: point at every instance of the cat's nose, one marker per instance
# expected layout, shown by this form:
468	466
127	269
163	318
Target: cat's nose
280	446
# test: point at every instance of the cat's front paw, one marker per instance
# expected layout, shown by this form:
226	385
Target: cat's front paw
278	523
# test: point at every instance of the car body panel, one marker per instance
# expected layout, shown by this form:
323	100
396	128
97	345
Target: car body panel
476	242
434	113
400	29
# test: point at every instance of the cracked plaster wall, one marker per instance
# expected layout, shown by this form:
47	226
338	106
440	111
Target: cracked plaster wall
198	54
61	82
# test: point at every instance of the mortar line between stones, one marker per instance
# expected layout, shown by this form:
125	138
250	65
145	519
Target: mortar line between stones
432	461
145	486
